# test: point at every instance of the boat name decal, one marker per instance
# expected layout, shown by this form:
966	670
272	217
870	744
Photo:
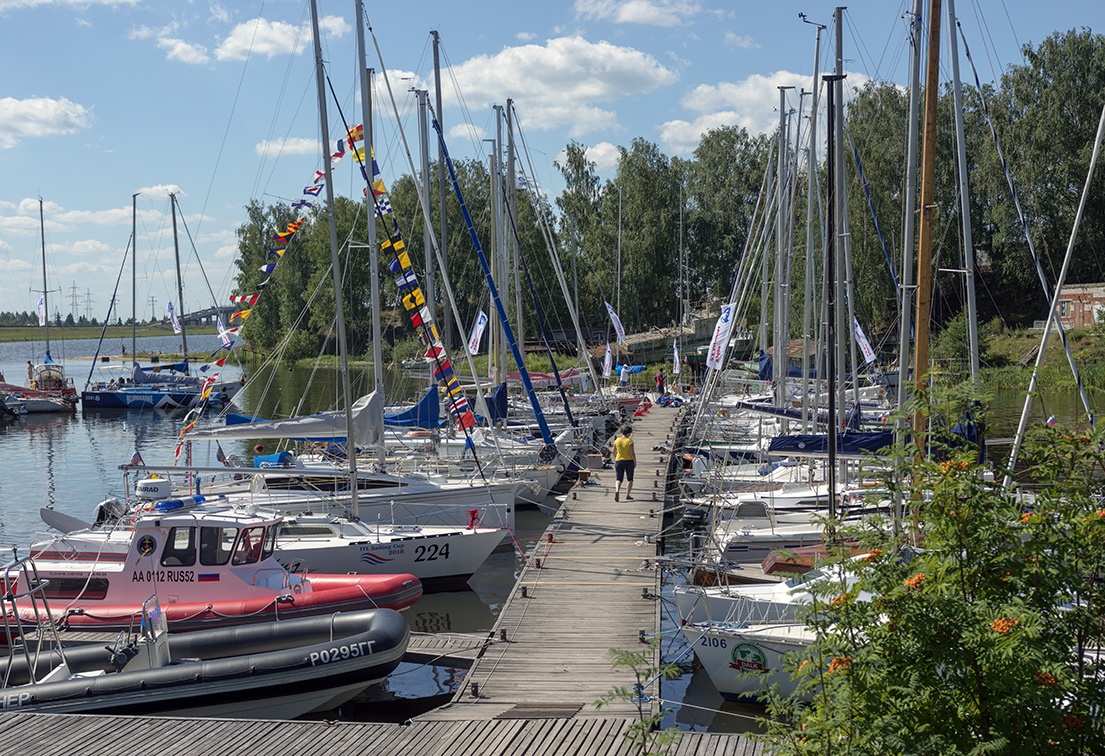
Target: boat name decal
341	653
14	700
747	657
163	576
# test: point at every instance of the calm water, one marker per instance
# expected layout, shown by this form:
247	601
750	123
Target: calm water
71	462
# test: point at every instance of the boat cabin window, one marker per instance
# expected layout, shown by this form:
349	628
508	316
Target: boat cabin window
298	530
180	548
91	589
249	546
270	543
216	545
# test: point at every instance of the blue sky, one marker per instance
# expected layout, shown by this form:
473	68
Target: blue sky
216	101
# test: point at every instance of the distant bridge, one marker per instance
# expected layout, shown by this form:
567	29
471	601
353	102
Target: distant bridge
207	317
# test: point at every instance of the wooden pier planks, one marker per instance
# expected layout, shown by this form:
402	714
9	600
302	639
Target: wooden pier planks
591	586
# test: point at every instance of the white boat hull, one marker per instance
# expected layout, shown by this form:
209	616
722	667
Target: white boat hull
743	663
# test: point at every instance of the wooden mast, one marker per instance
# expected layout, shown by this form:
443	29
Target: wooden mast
924	244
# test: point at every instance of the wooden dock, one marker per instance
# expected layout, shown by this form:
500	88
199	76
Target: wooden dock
68	734
591	585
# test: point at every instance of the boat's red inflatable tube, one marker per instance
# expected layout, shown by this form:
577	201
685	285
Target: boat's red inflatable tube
328	594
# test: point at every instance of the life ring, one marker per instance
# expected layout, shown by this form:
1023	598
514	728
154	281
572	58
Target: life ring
723	413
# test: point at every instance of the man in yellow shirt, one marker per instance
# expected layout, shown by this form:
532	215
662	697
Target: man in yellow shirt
625	462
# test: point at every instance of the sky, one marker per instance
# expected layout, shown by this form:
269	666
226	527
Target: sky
216	102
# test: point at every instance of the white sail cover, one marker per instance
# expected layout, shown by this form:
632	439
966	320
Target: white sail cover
368	425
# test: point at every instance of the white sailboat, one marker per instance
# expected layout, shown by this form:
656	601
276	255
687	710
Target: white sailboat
47	389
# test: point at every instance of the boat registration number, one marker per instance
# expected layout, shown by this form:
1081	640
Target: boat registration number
341	653
163	576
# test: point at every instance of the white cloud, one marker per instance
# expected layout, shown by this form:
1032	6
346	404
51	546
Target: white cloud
272	38
161	191
752	103
290	146
184	52
605	156
525	36
562	83
7	5
81	248
19	225
743	42
218	12
40	117
465	131
665	13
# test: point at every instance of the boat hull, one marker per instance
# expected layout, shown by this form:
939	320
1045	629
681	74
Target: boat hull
143	397
275	670
328	594
440	559
744	662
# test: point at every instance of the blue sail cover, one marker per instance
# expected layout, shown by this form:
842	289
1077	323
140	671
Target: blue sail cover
496	403
425	414
176	367
847	444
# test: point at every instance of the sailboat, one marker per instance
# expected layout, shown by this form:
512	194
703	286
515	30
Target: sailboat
324	528
47	389
167	387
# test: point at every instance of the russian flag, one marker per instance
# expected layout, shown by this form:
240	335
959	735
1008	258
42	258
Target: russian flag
1052	421
207	577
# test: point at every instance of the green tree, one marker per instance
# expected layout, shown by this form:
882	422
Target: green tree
722	184
985	640
1046	113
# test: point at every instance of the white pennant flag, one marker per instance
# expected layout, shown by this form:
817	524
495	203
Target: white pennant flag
675	359
172	317
607	363
864	344
42	310
477	333
720	340
224	335
618	330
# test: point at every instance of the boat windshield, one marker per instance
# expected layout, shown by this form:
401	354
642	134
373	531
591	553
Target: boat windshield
248	550
216	545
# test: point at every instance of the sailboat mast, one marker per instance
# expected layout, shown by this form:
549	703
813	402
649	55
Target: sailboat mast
179	282
511	236
924	243
964	197
811	175
45	292
442	191
134	279
423	97
370	206
831	81
335	264
837	134
779	364
905	326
